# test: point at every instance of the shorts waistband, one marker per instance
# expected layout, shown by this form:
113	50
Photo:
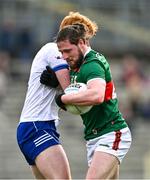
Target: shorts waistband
38	125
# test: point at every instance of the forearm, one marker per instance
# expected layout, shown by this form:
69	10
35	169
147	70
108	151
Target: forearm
88	97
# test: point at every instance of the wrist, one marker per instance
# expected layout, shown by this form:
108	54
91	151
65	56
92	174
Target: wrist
59	101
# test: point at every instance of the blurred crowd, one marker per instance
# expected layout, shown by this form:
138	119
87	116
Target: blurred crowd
4	70
135	82
15	43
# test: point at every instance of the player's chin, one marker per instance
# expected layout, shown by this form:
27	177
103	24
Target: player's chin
72	65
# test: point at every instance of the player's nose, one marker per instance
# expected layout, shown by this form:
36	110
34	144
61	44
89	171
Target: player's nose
65	56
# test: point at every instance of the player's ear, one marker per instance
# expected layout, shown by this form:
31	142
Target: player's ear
81	42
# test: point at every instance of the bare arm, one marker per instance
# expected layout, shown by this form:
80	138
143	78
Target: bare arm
63	78
93	95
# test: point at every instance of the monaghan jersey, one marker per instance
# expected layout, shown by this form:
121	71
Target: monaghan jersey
39	102
105	117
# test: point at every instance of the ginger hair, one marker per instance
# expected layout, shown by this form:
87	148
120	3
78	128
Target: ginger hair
77	18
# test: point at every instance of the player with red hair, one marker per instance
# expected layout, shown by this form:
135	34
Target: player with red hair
106	132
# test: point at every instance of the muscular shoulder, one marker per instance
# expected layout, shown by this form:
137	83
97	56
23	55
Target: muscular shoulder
95	66
49	49
95	57
48	55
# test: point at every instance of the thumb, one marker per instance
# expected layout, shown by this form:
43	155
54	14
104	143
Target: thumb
49	69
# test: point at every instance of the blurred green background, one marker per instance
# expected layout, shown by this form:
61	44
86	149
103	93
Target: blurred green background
123	38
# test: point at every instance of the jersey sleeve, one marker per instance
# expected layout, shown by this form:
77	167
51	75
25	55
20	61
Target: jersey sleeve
57	64
54	57
93	70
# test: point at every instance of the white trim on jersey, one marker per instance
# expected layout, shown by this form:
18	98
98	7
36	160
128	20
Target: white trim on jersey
101	79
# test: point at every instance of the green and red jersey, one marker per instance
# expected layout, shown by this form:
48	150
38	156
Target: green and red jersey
105	117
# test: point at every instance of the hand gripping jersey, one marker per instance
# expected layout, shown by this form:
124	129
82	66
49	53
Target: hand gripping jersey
39	102
105	117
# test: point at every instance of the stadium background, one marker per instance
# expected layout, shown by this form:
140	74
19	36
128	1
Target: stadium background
123	37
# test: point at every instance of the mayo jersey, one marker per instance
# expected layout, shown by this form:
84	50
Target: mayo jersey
39	103
105	117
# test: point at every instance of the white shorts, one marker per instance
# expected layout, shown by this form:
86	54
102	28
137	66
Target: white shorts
116	143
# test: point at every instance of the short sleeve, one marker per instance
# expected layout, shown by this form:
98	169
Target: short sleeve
54	58
93	70
58	64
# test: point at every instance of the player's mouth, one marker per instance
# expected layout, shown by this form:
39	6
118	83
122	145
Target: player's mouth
69	60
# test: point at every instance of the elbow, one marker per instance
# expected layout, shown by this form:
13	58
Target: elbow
99	100
99	96
96	97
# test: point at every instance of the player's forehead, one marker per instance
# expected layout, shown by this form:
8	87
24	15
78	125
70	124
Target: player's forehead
65	45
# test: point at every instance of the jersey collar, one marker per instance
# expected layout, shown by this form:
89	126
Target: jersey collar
88	50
